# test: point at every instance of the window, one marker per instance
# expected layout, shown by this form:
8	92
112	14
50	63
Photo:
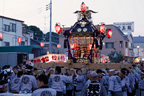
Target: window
6	27
126	45
13	27
22	43
123	28
7	43
129	27
121	44
109	44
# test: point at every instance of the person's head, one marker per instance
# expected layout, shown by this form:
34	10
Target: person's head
57	70
47	71
15	69
118	73
133	66
84	70
3	86
79	71
20	73
93	76
32	61
42	80
125	71
29	72
140	66
107	69
72	71
99	72
51	71
142	73
111	72
68	71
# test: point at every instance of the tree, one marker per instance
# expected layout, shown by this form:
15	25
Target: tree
38	34
116	57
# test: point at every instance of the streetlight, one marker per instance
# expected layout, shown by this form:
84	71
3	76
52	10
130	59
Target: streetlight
138	50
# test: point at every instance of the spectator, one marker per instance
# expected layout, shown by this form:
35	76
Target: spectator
28	82
43	90
4	88
57	81
115	88
79	82
93	87
102	79
15	82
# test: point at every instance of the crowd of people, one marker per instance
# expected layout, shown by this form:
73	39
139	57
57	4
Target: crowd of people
63	81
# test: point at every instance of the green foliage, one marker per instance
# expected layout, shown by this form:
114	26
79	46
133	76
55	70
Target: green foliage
37	32
116	59
54	37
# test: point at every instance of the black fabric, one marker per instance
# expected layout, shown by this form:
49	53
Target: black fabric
59	93
69	93
65	43
93	89
45	86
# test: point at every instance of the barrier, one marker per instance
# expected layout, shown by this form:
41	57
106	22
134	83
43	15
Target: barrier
116	66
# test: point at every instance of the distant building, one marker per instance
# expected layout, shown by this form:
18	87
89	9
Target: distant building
11	30
54	42
139	46
119	42
28	34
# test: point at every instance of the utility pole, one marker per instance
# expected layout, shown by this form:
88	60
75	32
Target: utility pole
138	50
50	26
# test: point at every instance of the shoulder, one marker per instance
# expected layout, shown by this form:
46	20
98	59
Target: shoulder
111	77
88	82
6	94
44	92
126	77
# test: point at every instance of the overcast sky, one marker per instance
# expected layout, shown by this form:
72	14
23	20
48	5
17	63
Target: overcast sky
33	12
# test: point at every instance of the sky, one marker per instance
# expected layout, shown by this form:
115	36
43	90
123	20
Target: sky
33	12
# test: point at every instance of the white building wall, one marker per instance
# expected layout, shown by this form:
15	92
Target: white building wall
10	36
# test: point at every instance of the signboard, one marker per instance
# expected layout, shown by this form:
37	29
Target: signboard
58	58
125	26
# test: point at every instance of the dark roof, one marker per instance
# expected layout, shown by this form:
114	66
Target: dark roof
139	39
125	36
11	18
25	30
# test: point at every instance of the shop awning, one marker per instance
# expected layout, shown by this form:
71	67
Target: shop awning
27	49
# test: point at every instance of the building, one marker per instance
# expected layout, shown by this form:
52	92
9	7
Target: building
11	29
118	42
139	46
28	34
54	42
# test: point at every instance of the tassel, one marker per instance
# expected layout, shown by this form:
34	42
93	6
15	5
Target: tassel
101	44
96	42
65	43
